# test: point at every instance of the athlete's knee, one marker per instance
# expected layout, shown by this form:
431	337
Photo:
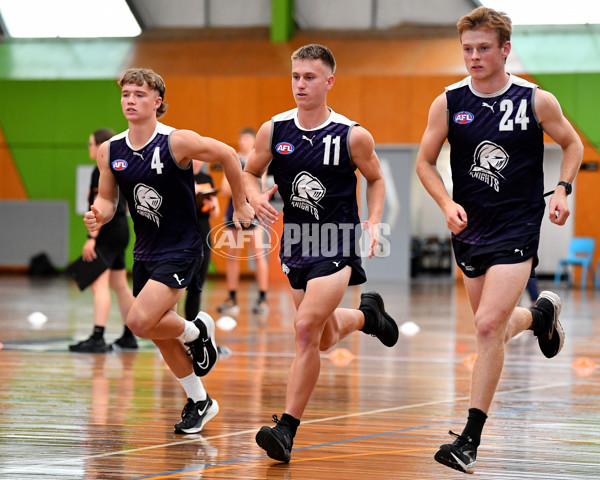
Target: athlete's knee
138	323
307	331
490	328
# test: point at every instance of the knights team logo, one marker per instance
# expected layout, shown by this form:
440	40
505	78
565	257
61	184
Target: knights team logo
147	202
488	161
307	191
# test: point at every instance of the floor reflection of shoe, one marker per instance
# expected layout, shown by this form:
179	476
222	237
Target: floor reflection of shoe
204	348
124	343
195	415
260	307
90	345
229	306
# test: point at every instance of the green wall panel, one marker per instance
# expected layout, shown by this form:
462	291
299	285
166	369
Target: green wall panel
46	125
579	97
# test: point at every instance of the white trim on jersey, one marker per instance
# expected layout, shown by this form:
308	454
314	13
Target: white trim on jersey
293	115
512	80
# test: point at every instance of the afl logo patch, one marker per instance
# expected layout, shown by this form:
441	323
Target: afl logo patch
463	118
119	165
284	148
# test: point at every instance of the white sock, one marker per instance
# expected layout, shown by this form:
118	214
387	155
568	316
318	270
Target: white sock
193	387
190	332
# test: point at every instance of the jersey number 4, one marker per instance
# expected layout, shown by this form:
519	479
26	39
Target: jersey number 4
507	123
156	164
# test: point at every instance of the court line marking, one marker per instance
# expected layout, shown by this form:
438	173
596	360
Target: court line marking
36	467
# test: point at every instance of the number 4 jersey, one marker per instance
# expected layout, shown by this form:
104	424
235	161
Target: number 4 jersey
496	157
160	196
316	178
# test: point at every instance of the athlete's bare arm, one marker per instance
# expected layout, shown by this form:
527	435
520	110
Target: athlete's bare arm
254	171
431	145
105	204
555	124
187	145
362	150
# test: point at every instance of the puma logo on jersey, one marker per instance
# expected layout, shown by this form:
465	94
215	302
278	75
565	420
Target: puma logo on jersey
518	250
491	107
177	278
138	154
337	264
304	137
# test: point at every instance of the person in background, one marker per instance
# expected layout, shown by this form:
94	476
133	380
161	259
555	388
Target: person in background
110	243
232	267
207	207
495	124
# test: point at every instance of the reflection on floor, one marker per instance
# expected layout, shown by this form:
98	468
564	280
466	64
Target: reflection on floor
377	413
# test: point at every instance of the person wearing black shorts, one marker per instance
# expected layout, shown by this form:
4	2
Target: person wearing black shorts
230	306
313	153
110	244
495	123
151	163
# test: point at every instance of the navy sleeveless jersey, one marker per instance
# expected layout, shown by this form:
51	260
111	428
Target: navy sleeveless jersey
160	195
496	156
317	182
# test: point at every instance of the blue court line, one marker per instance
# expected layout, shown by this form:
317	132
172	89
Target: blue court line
367	437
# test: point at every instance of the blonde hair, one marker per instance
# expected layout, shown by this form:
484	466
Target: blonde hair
139	76
484	18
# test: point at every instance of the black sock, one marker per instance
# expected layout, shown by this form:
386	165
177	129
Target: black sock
291	422
127	333
474	427
232	295
98	332
368	326
262	296
537	319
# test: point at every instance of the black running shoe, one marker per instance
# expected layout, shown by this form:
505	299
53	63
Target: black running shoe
91	345
204	349
459	455
276	441
377	322
124	343
195	415
552	336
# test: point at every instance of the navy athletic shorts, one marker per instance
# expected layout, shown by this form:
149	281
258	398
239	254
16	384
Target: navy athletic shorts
474	260
299	277
174	273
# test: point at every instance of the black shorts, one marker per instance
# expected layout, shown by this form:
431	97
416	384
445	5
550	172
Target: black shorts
474	260
114	259
299	277
174	273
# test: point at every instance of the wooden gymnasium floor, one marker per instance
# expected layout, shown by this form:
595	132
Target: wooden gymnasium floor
382	416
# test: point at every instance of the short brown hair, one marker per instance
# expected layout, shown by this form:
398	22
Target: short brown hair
139	76
102	135
315	51
487	19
